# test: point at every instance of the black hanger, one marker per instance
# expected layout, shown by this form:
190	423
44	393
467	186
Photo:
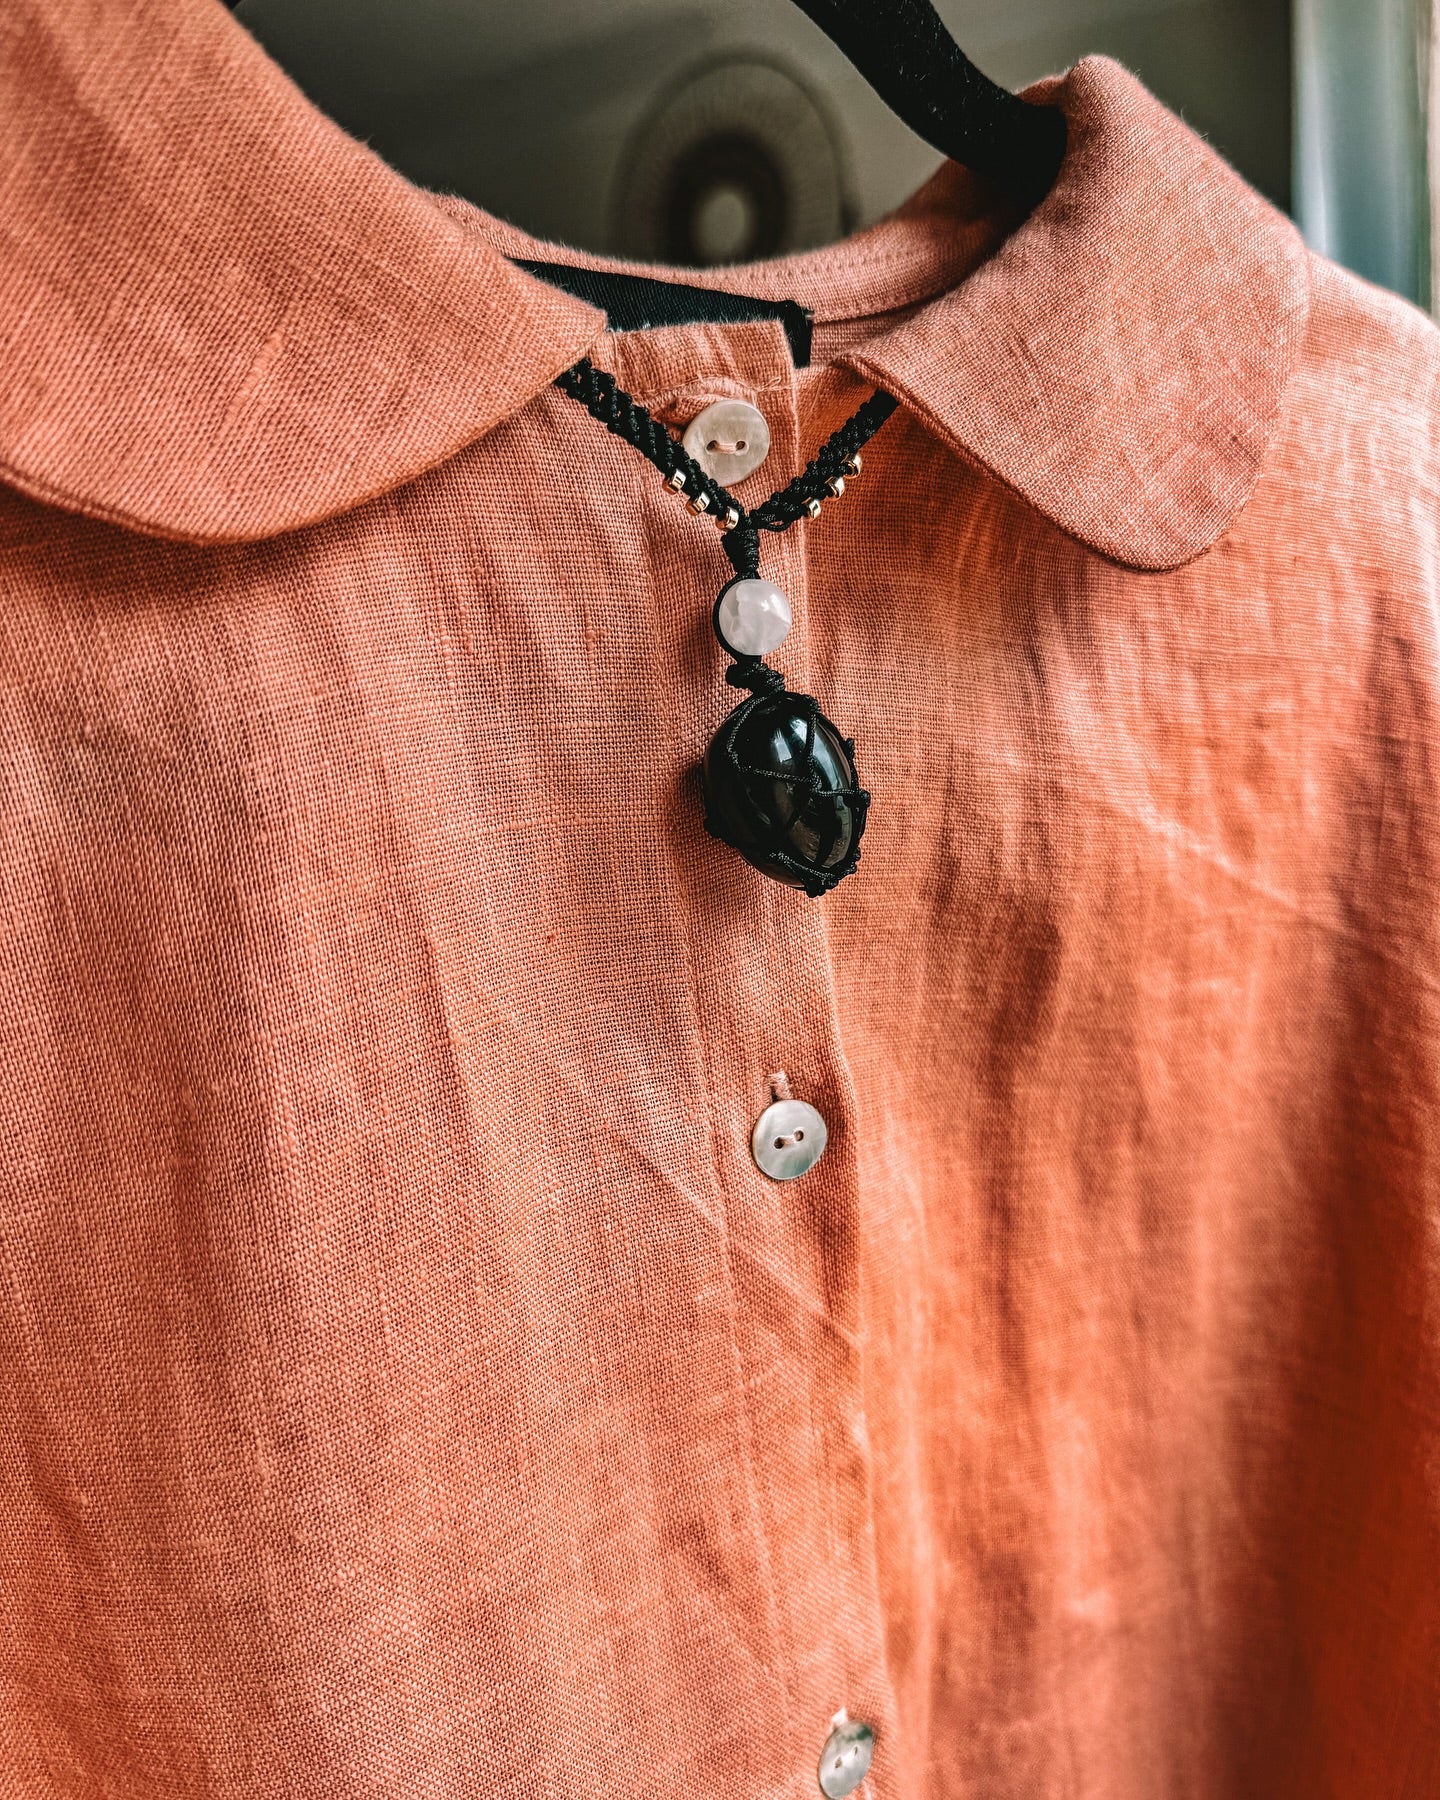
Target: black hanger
909	58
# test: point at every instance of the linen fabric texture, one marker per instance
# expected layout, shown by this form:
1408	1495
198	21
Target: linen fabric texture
412	1389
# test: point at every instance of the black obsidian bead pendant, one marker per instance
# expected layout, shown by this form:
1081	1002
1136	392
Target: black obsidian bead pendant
781	788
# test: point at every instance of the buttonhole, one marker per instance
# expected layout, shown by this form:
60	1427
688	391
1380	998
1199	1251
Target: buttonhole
800	1137
779	1143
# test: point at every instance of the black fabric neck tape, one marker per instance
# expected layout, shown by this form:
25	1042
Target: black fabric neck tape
640	303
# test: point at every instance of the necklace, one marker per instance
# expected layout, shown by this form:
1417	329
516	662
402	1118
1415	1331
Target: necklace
780	780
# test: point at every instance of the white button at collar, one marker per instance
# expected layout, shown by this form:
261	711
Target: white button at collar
789	1138
729	440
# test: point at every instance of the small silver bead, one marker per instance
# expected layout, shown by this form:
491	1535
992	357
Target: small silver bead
836	485
813	508
731	519
700	504
677	481
852	468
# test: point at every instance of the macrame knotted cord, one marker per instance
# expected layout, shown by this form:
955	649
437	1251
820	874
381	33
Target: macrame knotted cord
824	475
800	783
604	399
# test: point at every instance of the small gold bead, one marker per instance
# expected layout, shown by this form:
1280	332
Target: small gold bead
731	519
836	485
677	481
813	508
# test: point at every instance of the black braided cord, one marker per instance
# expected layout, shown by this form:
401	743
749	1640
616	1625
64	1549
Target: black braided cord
602	397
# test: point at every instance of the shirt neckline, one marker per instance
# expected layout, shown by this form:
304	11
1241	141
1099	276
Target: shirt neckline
228	319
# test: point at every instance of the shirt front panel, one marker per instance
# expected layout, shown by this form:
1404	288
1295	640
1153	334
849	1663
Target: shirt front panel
419	1032
421	1392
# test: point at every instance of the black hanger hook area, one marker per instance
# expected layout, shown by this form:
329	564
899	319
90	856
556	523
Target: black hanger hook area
903	50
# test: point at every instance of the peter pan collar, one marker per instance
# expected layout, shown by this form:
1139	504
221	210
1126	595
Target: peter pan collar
223	319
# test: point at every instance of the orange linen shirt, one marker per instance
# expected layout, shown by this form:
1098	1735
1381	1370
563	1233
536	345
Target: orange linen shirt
412	1390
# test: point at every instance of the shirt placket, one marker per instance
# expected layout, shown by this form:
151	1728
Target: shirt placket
765	1010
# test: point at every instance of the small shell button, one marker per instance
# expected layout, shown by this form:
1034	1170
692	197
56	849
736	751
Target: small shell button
729	440
845	1760
789	1138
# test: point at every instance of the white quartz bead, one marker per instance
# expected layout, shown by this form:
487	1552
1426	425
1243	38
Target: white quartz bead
752	617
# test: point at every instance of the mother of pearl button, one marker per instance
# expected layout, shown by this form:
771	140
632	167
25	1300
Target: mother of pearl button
788	1139
845	1760
729	440
752	617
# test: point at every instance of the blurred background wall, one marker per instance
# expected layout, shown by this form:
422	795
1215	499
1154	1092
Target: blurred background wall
1363	74
699	131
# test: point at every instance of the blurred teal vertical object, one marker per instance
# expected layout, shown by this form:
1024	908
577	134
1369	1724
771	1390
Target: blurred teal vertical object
1361	183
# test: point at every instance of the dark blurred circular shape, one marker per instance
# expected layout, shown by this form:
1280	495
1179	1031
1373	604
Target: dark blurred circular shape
734	164
725	203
